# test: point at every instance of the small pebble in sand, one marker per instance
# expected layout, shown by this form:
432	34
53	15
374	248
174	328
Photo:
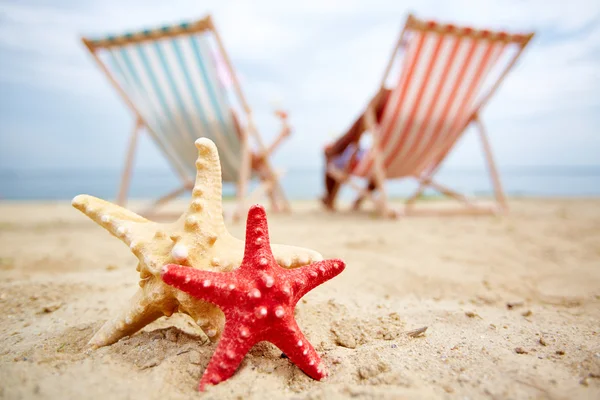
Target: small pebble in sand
560	352
520	350
151	363
416	332
51	307
448	388
183	351
514	304
584	381
543	341
471	314
527	313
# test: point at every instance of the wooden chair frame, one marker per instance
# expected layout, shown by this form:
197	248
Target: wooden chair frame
426	180
270	179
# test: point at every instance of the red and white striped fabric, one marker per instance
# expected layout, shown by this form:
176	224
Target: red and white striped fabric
435	97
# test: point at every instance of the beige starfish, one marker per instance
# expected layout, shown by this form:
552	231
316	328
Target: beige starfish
198	239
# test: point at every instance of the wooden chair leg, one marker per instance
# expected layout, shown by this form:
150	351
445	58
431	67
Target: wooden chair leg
471	208
278	195
244	177
498	190
283	134
418	193
275	192
449	192
127	170
378	167
264	187
150	211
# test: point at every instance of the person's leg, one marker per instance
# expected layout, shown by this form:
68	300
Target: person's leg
371	186
335	150
331	188
352	135
378	103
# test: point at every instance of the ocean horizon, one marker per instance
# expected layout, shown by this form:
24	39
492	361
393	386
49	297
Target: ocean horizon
299	183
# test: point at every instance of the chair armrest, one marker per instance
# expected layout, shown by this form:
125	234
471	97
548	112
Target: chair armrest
283	134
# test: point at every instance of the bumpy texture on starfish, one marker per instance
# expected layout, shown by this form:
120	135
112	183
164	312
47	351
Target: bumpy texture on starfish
198	239
258	300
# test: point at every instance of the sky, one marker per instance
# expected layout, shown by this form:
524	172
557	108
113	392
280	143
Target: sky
320	60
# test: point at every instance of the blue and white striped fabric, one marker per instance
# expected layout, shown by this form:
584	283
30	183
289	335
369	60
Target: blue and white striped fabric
173	82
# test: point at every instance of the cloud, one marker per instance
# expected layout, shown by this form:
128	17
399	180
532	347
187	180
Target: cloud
321	59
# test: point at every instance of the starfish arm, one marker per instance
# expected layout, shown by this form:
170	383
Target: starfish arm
231	254
204	285
207	192
117	220
305	279
228	356
294	257
138	313
206	315
294	344
257	245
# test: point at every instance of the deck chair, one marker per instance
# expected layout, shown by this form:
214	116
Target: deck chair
171	78
438	94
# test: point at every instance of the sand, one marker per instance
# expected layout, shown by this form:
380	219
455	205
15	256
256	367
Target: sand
511	306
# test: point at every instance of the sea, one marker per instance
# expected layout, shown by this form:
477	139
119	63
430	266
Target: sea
301	183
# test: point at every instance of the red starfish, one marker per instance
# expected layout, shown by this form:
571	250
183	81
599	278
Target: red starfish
258	301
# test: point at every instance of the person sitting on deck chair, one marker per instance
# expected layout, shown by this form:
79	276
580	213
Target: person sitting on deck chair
257	159
341	152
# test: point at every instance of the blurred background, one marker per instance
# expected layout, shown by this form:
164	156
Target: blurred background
64	130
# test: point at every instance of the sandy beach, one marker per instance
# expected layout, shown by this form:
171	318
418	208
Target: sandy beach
511	306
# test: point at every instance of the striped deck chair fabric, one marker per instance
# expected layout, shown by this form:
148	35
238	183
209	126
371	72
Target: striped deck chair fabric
173	83
437	94
173	80
447	73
